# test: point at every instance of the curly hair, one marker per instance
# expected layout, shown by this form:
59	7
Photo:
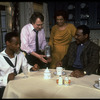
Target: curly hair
10	35
62	13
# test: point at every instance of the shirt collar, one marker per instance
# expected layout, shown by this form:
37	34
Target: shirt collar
4	53
86	42
82	44
31	26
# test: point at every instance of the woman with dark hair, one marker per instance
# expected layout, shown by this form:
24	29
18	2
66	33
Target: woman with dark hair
61	36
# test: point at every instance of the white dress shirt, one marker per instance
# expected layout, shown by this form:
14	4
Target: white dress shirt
28	37
6	69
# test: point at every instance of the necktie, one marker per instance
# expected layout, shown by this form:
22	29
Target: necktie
11	64
37	45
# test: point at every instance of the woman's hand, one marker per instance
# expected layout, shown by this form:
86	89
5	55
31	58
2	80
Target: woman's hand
49	59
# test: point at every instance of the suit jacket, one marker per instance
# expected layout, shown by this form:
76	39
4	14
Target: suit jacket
89	57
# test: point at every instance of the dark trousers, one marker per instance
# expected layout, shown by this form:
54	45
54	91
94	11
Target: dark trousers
34	60
1	91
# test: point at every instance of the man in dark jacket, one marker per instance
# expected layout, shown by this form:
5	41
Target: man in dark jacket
83	55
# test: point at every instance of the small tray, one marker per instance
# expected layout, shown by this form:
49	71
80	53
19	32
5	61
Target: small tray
63	73
97	86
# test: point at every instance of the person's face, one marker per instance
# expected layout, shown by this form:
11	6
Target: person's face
80	37
38	25
14	45
60	20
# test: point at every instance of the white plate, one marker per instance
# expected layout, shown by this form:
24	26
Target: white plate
83	5
70	7
70	16
63	73
97	86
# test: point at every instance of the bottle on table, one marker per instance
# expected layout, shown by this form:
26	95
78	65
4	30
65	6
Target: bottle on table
59	80
47	50
47	74
67	81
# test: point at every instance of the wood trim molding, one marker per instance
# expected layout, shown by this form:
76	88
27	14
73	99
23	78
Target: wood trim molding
5	3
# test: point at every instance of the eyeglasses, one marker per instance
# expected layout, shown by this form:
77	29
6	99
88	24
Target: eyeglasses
39	24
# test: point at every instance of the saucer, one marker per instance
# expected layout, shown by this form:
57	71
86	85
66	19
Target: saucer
63	73
97	86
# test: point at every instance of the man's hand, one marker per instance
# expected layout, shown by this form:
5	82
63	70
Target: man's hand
77	73
42	58
11	76
35	67
39	56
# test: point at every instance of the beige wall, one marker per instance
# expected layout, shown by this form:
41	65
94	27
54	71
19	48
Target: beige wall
38	7
95	35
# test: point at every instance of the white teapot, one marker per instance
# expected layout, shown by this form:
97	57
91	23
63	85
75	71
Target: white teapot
47	74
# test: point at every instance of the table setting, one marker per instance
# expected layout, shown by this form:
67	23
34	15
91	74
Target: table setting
40	84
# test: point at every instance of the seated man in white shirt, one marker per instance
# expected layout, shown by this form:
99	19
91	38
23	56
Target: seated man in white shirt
12	55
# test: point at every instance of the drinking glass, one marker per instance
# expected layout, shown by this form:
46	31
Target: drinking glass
25	71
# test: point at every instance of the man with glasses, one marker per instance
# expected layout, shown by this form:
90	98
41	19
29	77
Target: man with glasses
33	40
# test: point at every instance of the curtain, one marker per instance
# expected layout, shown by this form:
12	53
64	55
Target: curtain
46	20
26	10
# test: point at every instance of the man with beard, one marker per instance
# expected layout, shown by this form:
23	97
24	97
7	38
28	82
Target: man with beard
11	60
82	56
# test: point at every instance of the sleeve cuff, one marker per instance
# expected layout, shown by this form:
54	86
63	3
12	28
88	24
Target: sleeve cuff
29	67
3	80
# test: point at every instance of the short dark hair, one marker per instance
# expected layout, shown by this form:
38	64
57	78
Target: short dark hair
36	15
10	35
62	13
85	29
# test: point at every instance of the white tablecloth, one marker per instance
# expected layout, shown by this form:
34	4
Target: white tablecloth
35	86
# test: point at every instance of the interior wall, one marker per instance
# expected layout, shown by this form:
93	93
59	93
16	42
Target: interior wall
95	36
38	7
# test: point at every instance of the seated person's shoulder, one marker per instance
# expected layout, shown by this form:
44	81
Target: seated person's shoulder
1	54
73	43
21	53
94	45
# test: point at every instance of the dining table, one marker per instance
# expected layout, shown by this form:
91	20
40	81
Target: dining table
35	86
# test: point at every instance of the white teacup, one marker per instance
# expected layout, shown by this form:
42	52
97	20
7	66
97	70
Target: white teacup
59	70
